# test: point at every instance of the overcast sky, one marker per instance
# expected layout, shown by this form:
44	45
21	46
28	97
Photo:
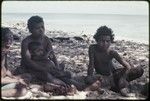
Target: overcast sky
97	7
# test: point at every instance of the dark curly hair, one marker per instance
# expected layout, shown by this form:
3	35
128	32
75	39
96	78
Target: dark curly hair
6	34
33	21
104	30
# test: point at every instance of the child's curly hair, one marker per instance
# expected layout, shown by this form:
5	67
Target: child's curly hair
33	21
104	30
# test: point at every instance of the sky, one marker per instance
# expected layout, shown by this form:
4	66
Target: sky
90	7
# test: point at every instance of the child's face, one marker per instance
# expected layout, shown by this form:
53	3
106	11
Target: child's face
38	30
38	51
104	42
6	43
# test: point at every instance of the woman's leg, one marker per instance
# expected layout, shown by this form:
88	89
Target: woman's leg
12	90
52	79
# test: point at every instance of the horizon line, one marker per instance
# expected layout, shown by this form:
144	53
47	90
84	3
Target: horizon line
71	13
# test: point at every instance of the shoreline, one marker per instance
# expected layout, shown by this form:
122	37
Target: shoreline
21	25
133	40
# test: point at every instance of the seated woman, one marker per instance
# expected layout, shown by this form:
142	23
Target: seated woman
12	86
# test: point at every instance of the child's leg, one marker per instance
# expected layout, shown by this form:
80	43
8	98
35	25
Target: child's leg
119	78
55	80
77	84
121	84
126	77
134	73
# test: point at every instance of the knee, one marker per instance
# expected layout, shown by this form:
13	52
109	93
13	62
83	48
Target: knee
134	73
21	90
141	71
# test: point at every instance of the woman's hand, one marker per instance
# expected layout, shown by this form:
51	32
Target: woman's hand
3	72
8	73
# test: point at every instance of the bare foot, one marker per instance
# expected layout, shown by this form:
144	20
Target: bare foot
94	86
73	90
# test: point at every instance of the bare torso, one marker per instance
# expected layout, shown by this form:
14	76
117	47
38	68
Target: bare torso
45	43
102	61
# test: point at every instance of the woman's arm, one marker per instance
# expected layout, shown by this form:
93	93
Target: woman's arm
51	54
91	61
8	79
13	79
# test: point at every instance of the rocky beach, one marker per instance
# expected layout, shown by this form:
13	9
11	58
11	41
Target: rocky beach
73	51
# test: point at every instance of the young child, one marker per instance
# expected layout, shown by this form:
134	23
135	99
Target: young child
100	60
12	86
37	52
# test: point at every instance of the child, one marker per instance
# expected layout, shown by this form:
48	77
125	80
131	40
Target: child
12	86
100	59
37	52
35	67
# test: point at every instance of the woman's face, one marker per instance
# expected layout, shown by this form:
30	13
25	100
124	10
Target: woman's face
7	41
38	30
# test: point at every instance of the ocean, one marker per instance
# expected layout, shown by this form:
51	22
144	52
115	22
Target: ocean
128	27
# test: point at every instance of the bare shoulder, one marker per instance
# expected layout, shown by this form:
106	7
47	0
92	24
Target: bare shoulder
46	38
26	40
113	52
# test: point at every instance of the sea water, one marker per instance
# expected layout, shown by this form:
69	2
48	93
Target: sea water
127	27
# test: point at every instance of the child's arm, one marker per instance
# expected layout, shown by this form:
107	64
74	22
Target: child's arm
51	54
91	61
120	59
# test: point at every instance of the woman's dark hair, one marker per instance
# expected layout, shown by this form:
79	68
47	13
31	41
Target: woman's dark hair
6	34
103	30
33	21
